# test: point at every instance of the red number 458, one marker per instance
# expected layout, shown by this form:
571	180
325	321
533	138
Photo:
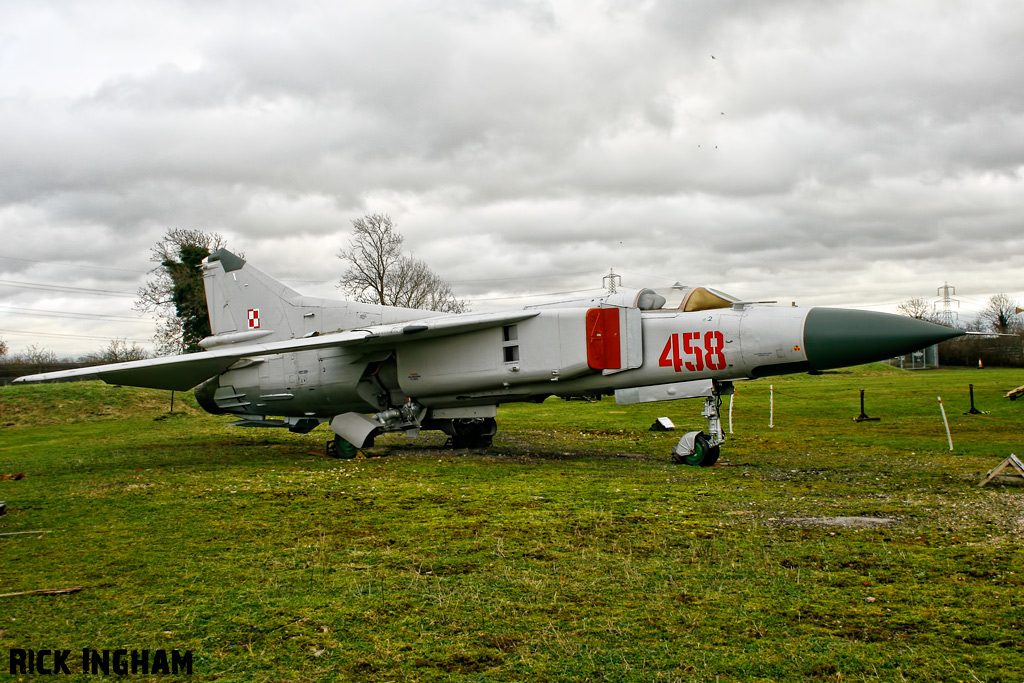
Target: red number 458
689	353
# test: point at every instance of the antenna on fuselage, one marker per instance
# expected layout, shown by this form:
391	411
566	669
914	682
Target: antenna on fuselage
611	281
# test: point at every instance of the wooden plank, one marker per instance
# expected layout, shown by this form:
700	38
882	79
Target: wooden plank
1014	463
43	591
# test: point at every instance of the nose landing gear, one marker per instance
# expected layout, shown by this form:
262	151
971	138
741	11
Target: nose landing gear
695	449
698	448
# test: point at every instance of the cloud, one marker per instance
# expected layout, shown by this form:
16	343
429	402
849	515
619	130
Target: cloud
858	152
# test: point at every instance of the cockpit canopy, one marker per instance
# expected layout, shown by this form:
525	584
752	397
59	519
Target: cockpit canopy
675	298
682	298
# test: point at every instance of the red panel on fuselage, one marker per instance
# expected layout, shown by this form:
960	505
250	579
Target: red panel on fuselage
603	350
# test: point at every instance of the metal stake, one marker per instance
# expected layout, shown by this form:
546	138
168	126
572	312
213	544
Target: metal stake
863	417
973	410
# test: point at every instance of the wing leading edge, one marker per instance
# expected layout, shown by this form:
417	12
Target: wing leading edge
181	373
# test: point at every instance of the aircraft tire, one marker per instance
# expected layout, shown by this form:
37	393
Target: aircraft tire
472	441
341	449
473	433
704	454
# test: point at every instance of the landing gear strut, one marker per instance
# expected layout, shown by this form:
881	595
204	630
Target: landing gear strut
698	448
473	432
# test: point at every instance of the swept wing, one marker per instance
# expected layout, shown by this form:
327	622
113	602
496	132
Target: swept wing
184	372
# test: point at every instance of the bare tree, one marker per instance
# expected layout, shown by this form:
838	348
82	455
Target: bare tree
1000	315
36	355
176	293
4	348
118	350
918	308
974	325
380	273
374	251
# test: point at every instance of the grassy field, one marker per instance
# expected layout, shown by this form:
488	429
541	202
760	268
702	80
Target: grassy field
572	550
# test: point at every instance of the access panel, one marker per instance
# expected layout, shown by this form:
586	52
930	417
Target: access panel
604	350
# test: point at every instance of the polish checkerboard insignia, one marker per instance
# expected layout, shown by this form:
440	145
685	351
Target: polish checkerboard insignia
254	318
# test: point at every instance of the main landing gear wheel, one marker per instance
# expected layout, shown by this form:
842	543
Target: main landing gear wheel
342	449
703	455
473	432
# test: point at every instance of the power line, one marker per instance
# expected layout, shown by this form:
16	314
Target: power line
67	289
457	282
72	315
529	296
73	265
73	336
520	277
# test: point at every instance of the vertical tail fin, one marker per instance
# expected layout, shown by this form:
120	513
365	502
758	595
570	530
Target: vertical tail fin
246	304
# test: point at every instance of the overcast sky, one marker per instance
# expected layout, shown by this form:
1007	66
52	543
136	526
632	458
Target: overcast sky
838	153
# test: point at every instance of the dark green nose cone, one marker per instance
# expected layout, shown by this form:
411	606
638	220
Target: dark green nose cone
837	337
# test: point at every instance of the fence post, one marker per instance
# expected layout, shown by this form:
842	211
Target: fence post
731	397
948	434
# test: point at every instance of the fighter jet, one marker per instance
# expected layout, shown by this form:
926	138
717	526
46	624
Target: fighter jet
276	358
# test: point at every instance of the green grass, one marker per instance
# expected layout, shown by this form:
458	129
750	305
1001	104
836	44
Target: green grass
572	550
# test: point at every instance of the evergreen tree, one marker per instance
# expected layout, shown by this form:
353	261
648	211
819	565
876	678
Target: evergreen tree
177	294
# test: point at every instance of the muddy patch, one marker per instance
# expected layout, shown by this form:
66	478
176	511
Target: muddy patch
841	522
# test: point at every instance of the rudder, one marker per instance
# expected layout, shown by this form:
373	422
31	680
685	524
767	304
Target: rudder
245	304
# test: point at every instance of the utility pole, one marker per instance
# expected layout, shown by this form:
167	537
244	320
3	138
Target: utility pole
946	316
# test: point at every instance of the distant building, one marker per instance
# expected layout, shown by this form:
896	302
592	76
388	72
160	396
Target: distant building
925	359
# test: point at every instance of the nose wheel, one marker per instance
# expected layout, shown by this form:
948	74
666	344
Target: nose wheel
695	449
700	449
